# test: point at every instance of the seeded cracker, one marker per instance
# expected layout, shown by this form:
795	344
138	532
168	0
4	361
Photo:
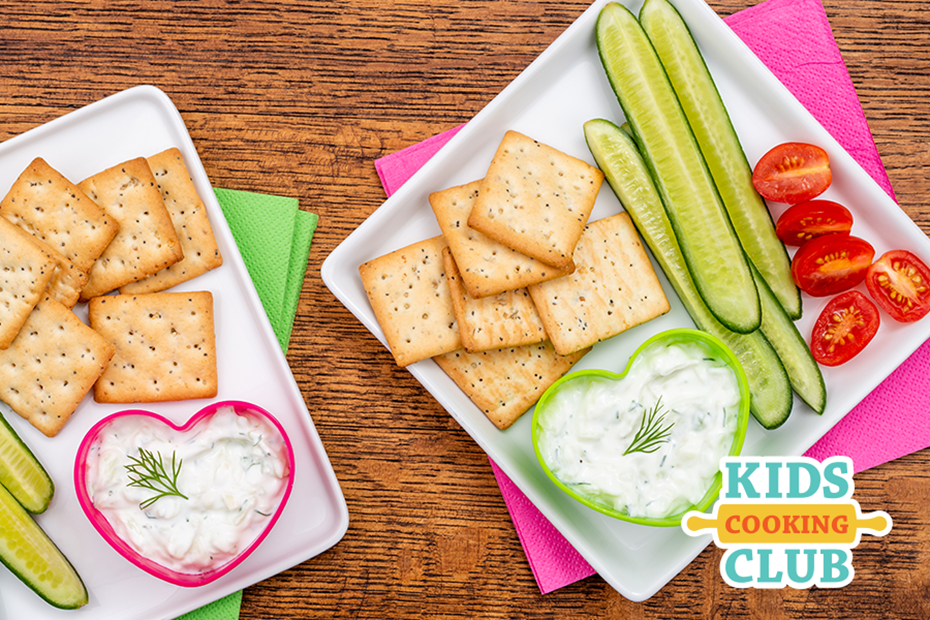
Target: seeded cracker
25	271
506	382
189	216
505	320
165	347
411	300
146	242
51	366
536	199
46	204
613	288
487	266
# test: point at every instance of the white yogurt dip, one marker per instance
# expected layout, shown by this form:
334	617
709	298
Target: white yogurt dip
233	473
589	424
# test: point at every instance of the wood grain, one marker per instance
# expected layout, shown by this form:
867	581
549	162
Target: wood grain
299	99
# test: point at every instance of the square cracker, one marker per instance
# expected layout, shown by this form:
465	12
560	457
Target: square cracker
488	267
46	204
146	242
536	199
410	296
51	366
613	288
165	346
25	271
506	320
189	216
506	382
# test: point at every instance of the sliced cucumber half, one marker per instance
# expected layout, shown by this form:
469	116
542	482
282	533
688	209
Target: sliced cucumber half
803	371
713	254
720	145
21	472
32	556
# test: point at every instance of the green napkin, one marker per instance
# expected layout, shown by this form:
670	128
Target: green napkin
226	608
274	238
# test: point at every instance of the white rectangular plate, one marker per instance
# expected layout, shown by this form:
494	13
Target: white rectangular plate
550	101
142	121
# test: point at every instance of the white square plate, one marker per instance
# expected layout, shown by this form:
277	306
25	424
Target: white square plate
550	101
137	122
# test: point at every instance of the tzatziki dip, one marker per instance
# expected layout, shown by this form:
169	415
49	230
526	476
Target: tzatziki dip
650	443
226	478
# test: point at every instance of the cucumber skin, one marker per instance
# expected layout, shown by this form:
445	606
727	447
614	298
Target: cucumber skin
10	508
770	388
718	239
34	503
722	150
803	371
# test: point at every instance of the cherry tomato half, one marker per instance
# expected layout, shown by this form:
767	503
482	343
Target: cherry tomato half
792	172
846	325
814	218
831	264
900	283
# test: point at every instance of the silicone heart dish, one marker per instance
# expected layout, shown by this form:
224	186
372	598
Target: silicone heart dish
188	503
645	445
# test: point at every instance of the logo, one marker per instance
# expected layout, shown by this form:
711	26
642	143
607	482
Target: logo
786	522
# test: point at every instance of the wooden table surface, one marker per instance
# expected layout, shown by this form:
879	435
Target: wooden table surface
299	99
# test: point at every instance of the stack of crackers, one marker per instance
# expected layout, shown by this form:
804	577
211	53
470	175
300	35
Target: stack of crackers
137	228
520	285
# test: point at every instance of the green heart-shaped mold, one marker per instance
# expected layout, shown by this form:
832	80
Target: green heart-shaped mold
719	351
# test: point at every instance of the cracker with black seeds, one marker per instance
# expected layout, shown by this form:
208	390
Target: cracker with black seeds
147	241
507	319
410	297
25	271
43	202
536	199
51	366
505	383
165	346
613	288
189	215
488	267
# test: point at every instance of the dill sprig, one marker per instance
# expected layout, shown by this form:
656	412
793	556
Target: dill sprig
651	434
149	472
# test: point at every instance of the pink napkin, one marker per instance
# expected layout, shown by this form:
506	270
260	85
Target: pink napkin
793	38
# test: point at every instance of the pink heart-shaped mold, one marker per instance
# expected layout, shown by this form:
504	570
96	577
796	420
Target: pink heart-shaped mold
103	526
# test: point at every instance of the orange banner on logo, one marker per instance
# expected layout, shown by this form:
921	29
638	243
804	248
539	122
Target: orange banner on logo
815	524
